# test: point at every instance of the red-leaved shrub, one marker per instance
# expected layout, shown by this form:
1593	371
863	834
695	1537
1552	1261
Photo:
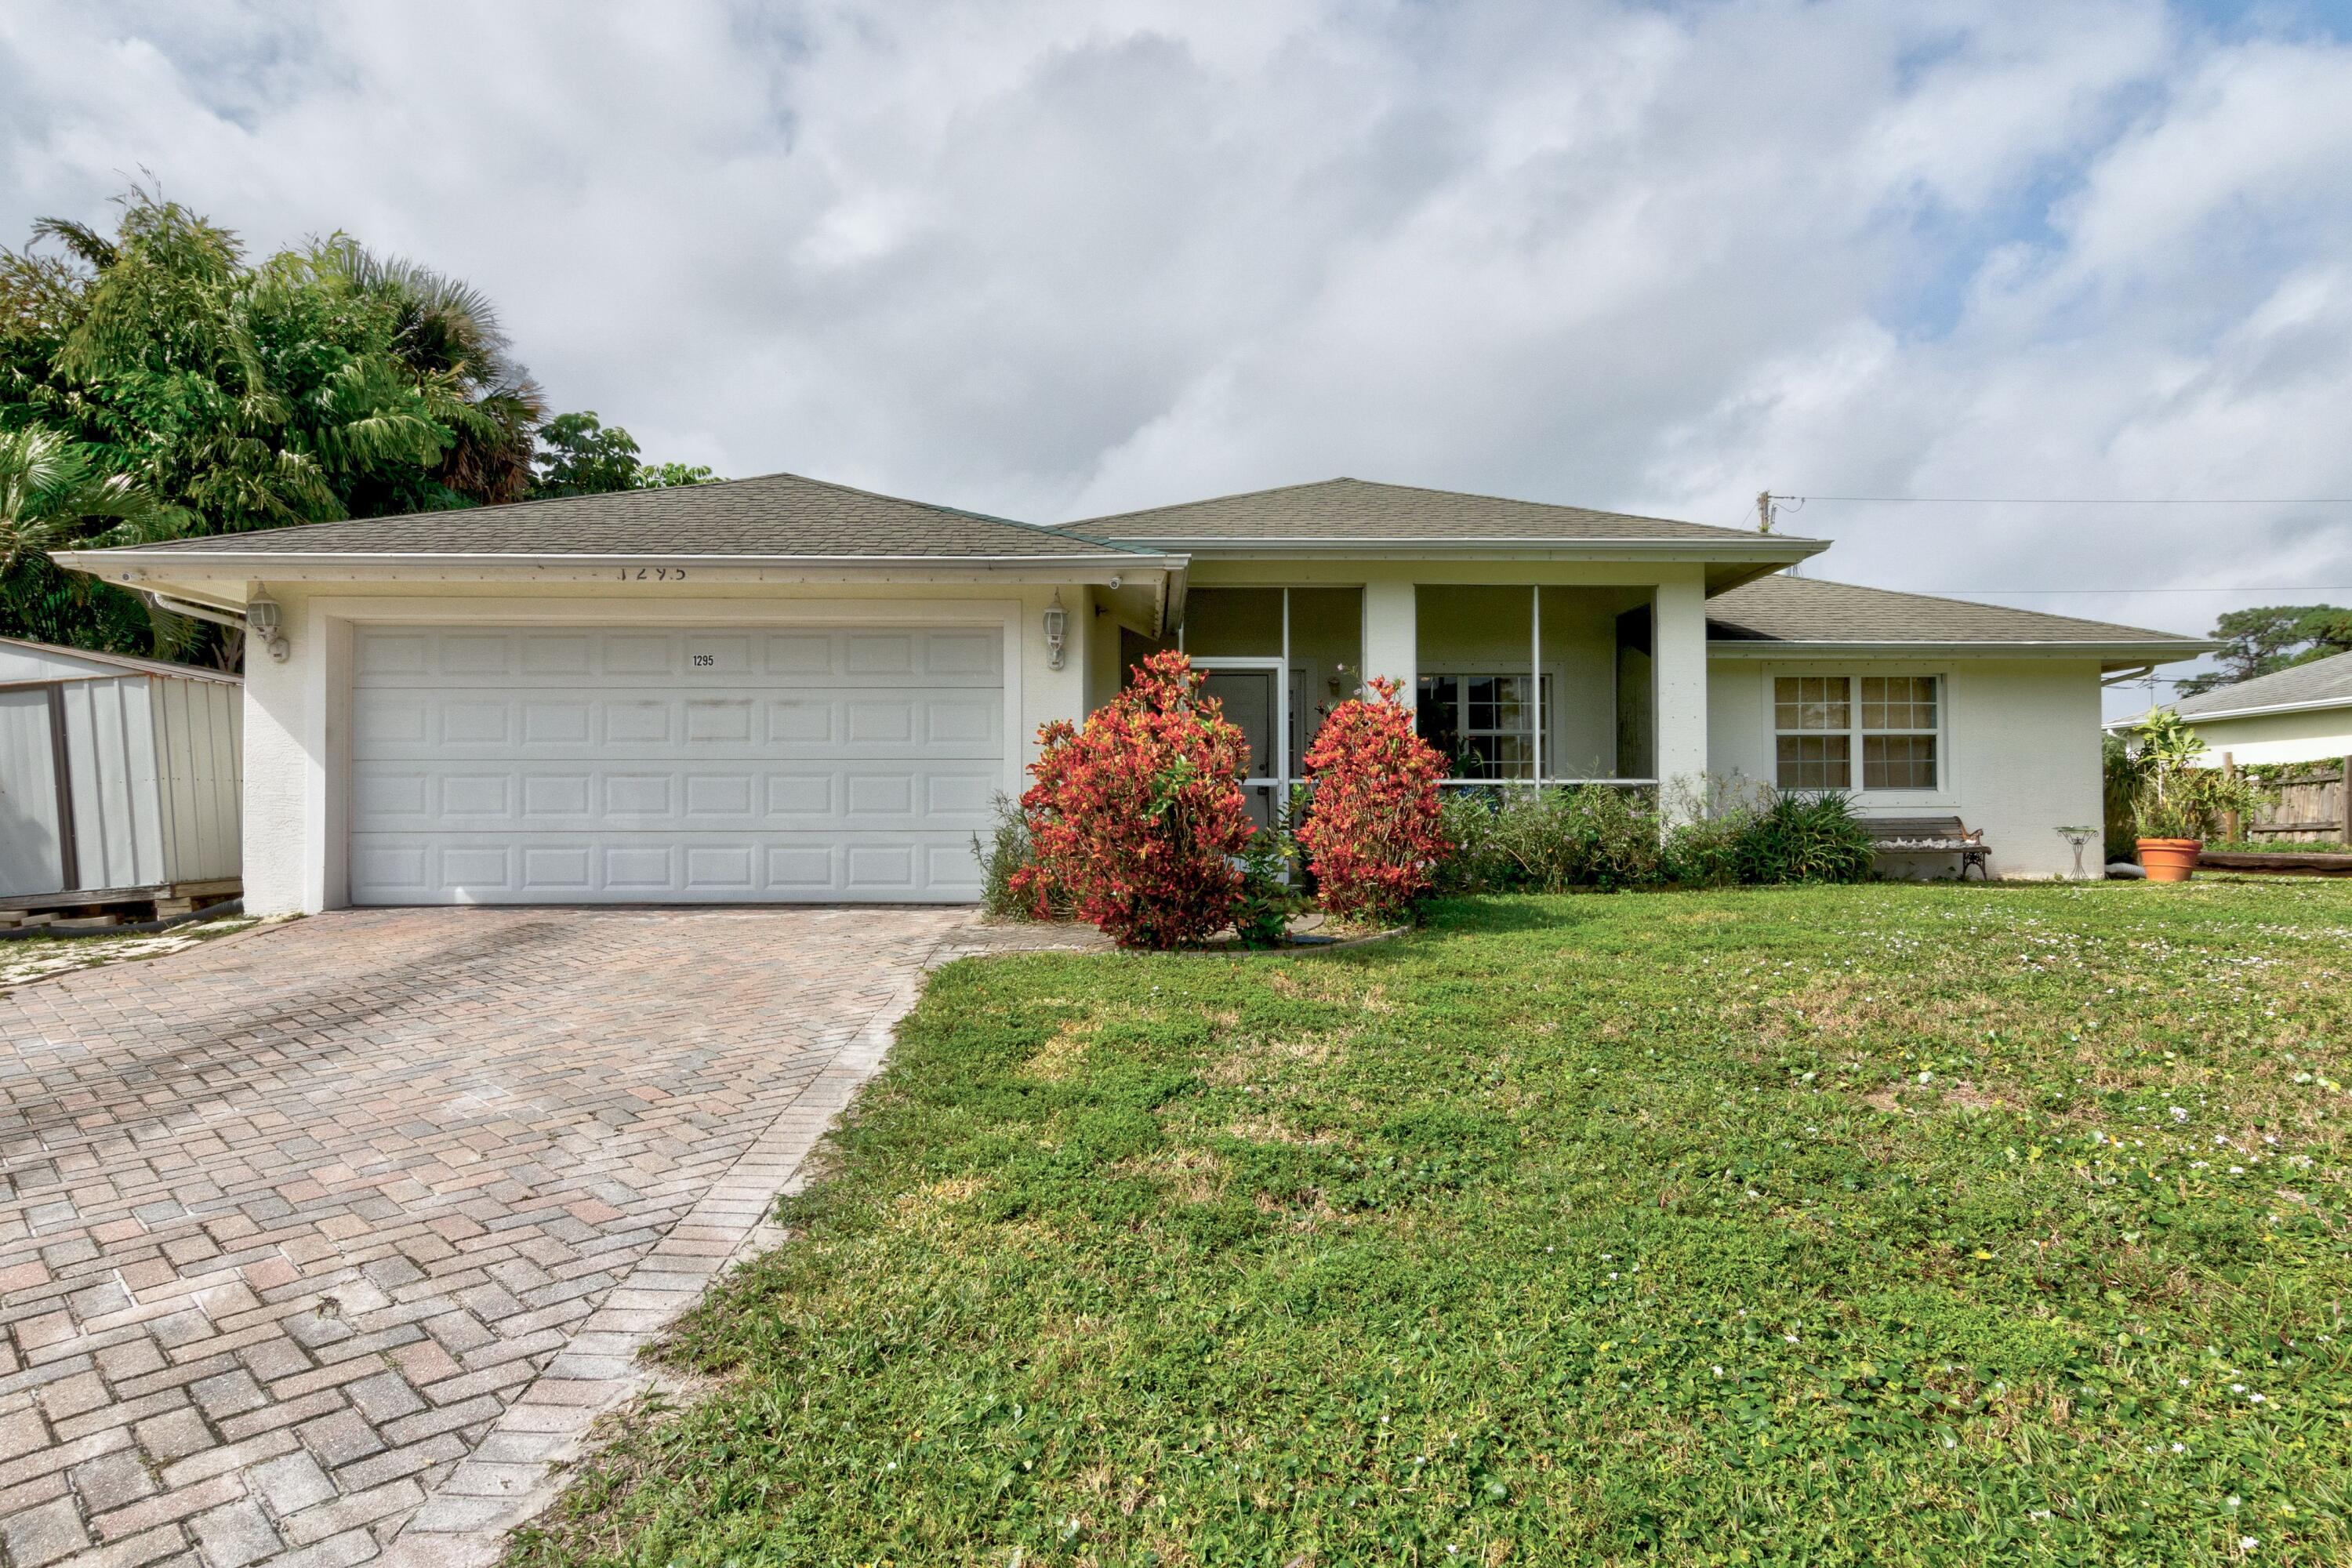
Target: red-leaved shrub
1135	818
1372	835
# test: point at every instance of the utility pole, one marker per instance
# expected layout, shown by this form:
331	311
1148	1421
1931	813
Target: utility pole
1763	512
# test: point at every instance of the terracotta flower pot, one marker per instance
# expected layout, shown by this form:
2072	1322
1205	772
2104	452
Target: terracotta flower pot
2169	859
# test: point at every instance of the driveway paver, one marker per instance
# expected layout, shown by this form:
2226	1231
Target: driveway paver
331	1237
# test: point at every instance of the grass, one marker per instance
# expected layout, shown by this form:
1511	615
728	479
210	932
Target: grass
35	958
1880	1225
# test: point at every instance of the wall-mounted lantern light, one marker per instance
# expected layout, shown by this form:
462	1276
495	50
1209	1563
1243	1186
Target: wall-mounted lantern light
262	619
1057	632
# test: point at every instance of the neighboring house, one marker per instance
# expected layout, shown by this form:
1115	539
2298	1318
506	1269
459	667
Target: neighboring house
2299	714
779	689
116	773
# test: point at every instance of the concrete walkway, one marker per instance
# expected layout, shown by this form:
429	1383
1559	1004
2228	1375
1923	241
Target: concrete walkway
324	1242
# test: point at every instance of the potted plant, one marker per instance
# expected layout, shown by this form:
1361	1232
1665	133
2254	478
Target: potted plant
2174	802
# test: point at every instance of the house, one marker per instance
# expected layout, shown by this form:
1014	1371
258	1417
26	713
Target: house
2299	714
778	688
116	775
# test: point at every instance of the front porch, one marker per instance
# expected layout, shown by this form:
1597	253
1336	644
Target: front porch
1554	682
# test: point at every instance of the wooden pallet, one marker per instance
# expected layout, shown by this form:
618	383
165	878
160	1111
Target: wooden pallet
122	903
2278	861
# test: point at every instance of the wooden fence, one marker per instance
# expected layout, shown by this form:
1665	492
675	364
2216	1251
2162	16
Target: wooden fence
2312	809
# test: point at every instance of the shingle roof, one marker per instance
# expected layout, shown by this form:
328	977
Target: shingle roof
775	515
1781	608
2322	680
1357	509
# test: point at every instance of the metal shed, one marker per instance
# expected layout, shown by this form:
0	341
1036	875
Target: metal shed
116	773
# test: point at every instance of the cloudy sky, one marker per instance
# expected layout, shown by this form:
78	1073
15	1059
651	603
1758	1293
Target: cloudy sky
1053	259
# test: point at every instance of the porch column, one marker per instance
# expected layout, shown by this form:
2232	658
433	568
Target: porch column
1389	634
1679	668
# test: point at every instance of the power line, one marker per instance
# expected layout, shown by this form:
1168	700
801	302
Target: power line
2084	501
2250	588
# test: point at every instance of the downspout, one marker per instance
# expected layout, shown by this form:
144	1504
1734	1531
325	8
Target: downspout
190	608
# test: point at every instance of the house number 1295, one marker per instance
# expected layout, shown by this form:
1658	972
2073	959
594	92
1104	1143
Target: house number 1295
653	573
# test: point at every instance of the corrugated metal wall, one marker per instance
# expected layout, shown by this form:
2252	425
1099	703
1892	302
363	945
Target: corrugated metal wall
156	779
202	727
110	741
29	861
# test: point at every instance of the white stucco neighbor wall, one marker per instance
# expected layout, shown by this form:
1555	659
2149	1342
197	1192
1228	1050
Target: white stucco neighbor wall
298	713
2019	744
2317	735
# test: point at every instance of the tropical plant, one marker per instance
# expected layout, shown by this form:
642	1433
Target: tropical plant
2118	782
2173	795
581	455
1138	819
446	336
1804	836
52	497
1373	836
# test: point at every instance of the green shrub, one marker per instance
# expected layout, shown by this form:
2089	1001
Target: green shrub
1803	838
1704	852
2120	782
1006	852
1271	886
1591	835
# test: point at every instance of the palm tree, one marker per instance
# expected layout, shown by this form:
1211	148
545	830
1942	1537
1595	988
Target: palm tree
448	337
52	498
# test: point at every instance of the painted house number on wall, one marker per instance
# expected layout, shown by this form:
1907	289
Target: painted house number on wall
653	573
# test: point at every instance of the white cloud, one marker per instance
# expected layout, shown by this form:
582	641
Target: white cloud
1046	259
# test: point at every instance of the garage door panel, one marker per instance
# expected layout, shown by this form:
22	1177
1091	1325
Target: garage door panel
433	868
564	764
561	658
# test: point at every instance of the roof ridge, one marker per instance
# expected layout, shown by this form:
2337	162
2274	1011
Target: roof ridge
1207	500
1953	599
1105	518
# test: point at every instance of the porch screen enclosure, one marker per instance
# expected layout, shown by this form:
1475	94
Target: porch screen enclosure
1517	684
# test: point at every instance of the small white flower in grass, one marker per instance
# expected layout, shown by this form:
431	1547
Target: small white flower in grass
1790	1338
2180	1447
2231	1501
2237	1388
2257	1399
2178	1114
2248	1542
1718	1372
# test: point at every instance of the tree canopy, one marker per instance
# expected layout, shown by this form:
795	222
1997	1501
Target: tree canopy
155	381
2272	637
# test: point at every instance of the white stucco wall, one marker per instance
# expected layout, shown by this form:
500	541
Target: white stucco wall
2319	735
2019	750
297	714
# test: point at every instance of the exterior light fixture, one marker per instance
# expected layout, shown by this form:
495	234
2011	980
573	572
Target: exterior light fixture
1057	632
262	620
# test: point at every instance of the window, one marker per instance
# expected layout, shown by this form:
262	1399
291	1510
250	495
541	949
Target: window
1819	721
1484	725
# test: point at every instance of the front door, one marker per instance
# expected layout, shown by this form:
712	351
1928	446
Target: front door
1252	693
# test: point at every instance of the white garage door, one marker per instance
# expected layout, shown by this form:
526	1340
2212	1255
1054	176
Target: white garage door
576	765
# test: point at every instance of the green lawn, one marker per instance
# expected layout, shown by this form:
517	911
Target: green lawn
1883	1225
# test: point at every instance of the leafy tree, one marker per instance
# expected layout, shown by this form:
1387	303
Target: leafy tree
580	456
2272	637
52	498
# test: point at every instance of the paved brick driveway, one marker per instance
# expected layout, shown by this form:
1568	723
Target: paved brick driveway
336	1232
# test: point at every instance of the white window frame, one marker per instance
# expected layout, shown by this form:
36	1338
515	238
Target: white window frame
1946	790
1533	735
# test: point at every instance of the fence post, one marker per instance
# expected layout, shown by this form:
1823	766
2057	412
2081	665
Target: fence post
2344	801
2230	817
